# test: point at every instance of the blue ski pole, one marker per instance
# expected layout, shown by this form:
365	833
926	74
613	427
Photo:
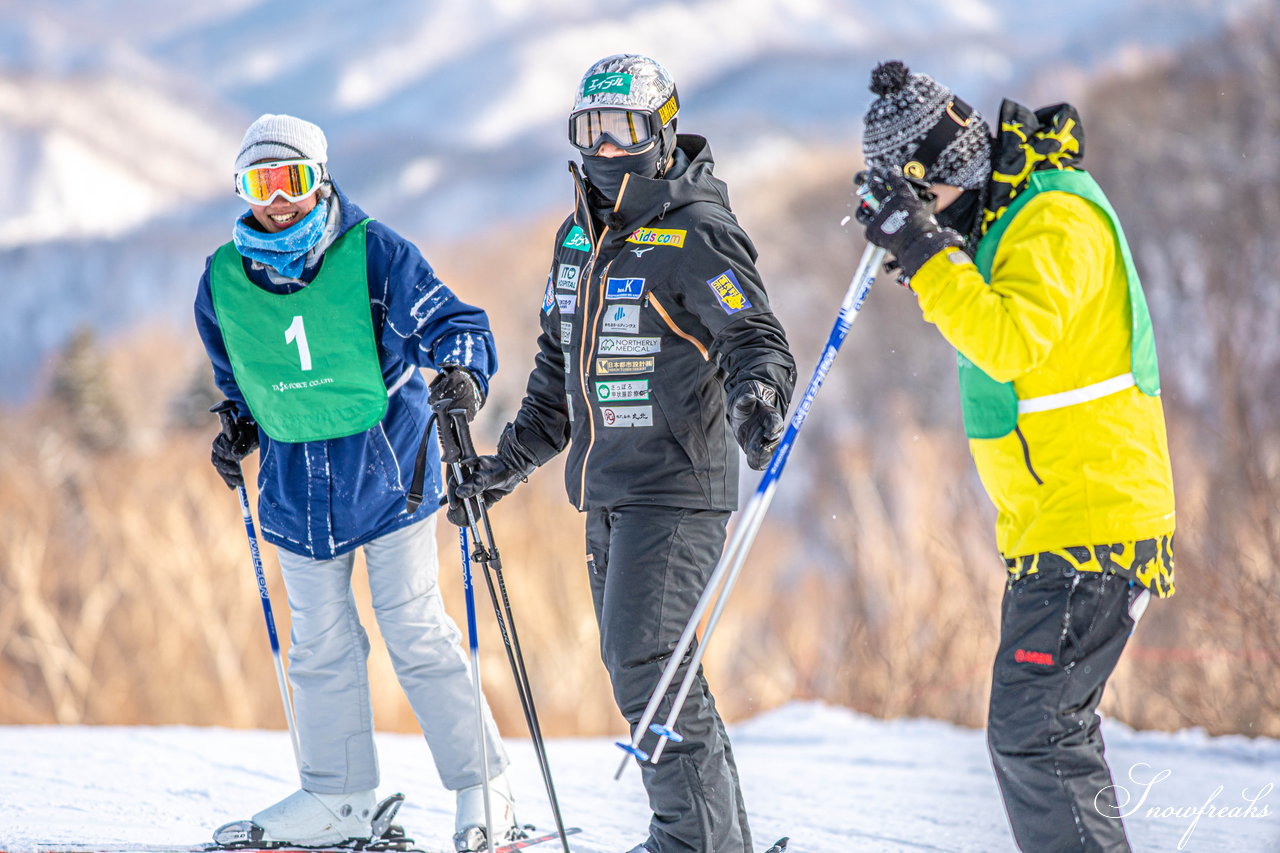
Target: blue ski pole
727	569
226	413
271	623
473	646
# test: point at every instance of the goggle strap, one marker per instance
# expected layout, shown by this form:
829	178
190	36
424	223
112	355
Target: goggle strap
956	117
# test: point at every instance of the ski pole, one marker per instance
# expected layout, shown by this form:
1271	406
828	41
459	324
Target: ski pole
490	560
225	416
730	563
473	644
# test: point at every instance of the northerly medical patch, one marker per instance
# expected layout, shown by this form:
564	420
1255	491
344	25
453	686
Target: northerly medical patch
728	292
629	346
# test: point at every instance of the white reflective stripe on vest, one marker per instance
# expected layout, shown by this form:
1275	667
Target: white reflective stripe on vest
1076	396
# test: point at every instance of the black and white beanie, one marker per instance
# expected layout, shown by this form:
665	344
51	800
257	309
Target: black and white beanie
919	126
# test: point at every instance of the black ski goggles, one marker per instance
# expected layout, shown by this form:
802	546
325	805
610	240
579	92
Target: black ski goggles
631	130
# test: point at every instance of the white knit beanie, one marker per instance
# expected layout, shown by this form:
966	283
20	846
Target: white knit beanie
282	137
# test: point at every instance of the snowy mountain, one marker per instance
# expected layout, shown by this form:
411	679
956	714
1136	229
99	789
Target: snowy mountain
832	780
118	122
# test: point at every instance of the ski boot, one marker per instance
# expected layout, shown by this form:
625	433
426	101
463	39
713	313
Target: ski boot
469	826
308	819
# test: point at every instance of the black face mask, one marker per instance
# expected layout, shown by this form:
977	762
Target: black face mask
963	214
606	173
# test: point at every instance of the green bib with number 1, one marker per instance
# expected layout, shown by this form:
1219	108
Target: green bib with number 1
306	362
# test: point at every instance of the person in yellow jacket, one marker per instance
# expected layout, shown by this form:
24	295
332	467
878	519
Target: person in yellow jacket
1017	257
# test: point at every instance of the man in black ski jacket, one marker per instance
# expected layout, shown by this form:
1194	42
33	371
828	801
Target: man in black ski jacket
657	341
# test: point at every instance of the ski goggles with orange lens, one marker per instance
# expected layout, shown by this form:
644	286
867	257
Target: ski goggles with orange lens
630	130
294	180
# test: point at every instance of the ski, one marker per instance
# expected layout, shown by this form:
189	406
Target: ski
400	845
779	846
522	843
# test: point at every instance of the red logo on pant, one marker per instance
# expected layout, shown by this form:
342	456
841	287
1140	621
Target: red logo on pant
1024	656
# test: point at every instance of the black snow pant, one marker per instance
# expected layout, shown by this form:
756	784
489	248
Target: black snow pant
648	566
1061	635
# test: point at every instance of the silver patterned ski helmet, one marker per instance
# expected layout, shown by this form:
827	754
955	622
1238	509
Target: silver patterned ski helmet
628	99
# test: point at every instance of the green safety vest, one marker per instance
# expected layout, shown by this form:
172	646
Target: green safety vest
991	408
307	362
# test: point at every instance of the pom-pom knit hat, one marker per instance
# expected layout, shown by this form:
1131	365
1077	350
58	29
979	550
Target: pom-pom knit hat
918	125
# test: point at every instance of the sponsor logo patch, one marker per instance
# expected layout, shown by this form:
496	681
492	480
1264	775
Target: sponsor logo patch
667	111
629	346
659	237
549	298
567	302
617	392
598	84
1024	656
577	239
624	288
623	366
729	292
566	332
567	277
627	416
622	318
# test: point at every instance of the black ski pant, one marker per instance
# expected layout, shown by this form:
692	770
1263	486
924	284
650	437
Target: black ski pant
1061	635
648	566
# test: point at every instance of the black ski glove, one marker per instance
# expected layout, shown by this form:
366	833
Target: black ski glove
904	223
238	438
492	477
756	422
458	385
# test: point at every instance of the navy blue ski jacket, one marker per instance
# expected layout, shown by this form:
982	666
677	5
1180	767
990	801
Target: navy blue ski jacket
324	498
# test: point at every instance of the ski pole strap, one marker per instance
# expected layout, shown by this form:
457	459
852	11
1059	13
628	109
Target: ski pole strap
413	499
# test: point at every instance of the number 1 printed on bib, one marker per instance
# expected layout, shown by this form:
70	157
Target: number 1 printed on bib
297	331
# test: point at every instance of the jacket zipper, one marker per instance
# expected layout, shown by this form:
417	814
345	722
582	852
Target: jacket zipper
652	299
1026	455
589	331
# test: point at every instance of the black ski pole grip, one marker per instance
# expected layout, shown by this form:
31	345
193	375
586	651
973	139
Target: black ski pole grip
462	431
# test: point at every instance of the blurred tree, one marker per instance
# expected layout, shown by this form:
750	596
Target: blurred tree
81	393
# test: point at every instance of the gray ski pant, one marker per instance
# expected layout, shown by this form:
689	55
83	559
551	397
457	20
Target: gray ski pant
329	650
648	566
1061	636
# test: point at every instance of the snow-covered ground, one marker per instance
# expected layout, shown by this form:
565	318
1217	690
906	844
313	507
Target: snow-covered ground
833	780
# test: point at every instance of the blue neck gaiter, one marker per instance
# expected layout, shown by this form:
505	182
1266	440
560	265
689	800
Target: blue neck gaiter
285	251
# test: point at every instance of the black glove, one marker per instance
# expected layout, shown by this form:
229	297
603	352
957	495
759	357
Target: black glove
756	422
492	477
458	385
238	438
903	223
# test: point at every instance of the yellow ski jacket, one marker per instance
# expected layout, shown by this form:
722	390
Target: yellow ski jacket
1053	318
